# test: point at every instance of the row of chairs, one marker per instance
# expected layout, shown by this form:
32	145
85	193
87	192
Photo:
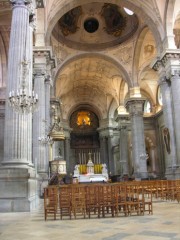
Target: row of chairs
98	200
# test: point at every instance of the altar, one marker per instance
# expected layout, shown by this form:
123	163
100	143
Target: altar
90	172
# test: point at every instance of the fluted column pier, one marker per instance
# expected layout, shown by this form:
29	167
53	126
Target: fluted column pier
135	109
18	185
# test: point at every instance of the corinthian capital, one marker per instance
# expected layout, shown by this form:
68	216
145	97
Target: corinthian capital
20	2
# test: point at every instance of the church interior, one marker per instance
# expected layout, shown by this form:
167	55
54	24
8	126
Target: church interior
89	92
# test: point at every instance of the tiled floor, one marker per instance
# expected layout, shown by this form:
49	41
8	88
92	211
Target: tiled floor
164	224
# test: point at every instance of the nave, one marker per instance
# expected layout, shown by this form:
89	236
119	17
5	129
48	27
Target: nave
162	225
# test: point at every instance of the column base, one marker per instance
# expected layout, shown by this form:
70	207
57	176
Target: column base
141	176
18	190
173	172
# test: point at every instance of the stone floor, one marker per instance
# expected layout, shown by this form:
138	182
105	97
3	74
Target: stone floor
164	224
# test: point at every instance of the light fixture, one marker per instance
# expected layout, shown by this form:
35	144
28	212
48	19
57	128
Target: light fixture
45	140
23	100
129	12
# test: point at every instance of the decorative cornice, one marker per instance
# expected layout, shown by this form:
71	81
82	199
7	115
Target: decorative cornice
135	106
17	3
39	72
122	118
45	52
166	57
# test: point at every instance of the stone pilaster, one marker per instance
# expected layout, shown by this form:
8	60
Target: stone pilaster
103	150
39	128
122	120
43	63
48	84
67	155
135	108
110	154
2	123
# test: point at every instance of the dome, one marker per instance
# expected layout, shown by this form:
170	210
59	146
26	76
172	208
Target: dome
95	27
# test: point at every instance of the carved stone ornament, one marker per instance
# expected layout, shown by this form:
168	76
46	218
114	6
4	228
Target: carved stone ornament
45	53
135	106
20	2
169	63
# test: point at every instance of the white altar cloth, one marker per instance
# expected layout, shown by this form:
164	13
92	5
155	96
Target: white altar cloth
87	178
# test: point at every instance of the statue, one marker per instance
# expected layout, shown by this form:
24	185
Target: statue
104	168
76	170
90	165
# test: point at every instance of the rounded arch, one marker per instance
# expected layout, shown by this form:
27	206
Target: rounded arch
171	14
137	70
114	61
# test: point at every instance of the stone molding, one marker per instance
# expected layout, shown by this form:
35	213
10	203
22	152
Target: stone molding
134	106
39	72
47	53
169	63
20	3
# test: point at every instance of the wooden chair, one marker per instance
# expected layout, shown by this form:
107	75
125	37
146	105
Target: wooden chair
65	201
120	200
78	200
132	199
92	200
50	201
107	199
147	203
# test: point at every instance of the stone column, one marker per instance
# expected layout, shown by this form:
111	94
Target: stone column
123	147
153	160
48	84
67	155
110	155
18	186
18	146
122	120
169	71
170	155
175	86
135	108
103	150
2	123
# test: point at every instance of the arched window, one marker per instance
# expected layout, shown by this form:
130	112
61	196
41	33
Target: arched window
159	96
147	106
